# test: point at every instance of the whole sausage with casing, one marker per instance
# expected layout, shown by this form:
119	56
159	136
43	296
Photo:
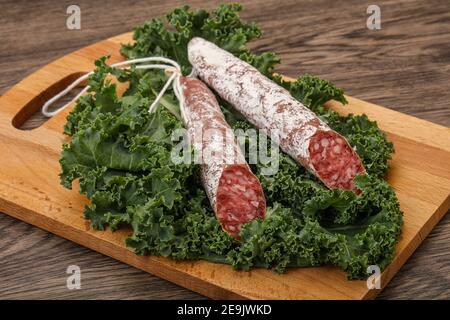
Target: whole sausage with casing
297	130
233	190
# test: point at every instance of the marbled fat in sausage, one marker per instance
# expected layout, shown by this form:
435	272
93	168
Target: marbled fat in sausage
297	130
235	193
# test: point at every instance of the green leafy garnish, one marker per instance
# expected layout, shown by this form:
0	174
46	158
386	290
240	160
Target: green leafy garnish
121	156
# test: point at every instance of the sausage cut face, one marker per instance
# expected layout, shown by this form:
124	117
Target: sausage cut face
240	198
334	160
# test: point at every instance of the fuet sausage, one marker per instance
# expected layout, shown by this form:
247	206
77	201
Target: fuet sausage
297	130
235	193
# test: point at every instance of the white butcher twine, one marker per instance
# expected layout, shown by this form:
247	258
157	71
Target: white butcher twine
171	67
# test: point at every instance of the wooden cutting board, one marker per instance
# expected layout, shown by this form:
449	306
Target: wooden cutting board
30	191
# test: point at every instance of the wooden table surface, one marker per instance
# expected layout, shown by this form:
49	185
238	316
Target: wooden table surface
404	66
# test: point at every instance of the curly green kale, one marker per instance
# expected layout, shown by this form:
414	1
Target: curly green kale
222	26
121	155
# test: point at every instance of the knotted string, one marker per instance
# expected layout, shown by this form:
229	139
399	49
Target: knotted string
172	69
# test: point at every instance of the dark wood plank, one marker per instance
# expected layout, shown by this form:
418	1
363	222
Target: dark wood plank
404	66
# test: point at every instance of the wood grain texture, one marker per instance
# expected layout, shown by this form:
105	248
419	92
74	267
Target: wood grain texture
34	195
408	60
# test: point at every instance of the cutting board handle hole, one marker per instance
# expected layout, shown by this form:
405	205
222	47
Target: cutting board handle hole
30	116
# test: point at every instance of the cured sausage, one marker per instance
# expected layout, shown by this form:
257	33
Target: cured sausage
297	130
235	193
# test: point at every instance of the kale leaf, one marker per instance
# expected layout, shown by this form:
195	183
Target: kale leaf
121	156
